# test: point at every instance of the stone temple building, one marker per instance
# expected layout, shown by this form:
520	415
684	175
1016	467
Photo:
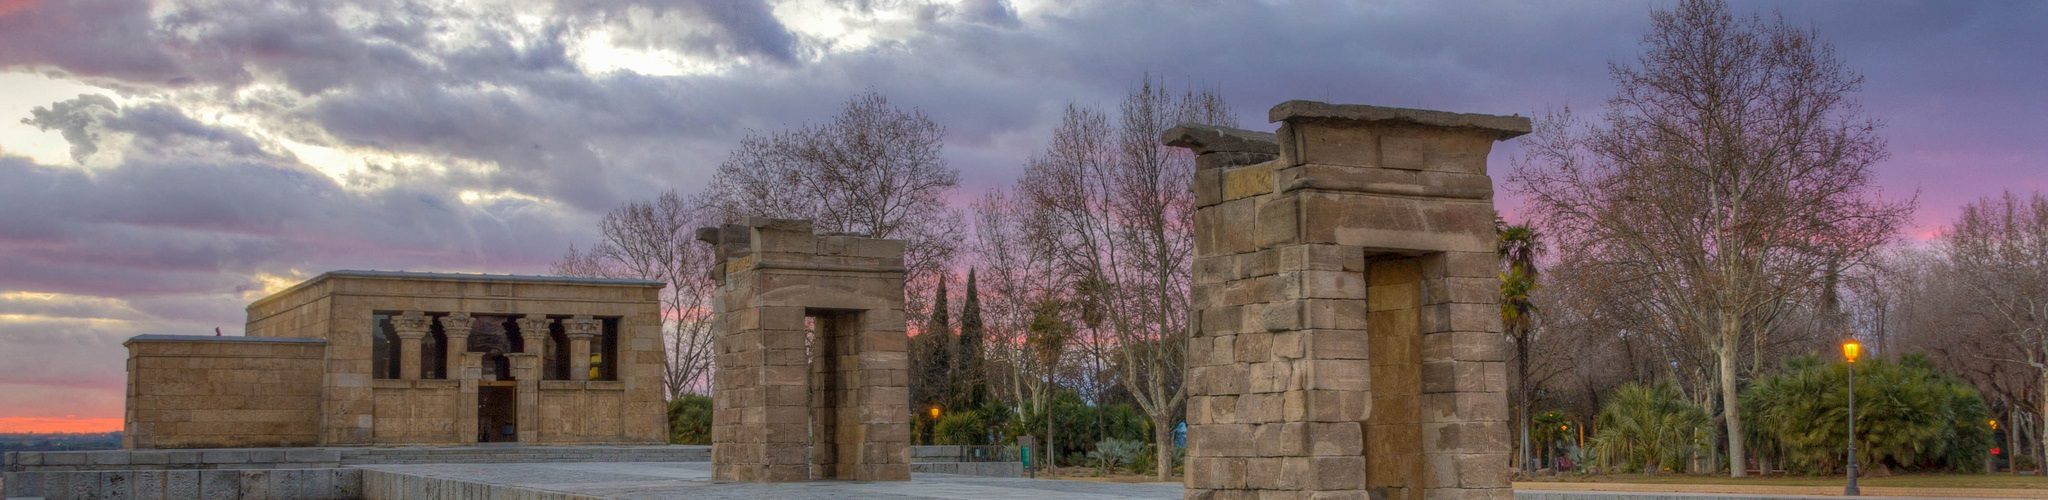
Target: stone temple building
366	358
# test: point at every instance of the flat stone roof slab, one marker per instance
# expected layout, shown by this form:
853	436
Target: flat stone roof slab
158	337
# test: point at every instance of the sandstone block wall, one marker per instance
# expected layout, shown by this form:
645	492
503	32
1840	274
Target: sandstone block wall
1347	333
813	362
303	375
222	392
359	409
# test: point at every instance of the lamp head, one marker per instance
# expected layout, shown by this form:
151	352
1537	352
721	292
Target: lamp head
1851	349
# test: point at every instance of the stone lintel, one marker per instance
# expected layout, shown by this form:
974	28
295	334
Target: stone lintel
1205	139
1300	111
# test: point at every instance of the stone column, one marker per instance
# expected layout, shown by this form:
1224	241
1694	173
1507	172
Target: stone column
580	330
410	327
526	368
456	327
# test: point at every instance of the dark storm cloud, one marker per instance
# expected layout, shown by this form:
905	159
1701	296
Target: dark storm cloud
713	28
99	39
192	208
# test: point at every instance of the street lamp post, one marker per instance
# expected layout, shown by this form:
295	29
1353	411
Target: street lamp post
1851	349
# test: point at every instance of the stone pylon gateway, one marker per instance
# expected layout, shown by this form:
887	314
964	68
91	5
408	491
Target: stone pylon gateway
813	361
1347	340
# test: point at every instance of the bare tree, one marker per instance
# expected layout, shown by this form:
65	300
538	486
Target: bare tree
1113	206
1999	252
1730	172
655	240
1017	278
874	170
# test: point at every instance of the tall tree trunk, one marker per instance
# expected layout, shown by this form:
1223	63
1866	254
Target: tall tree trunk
2012	439
1731	405
2042	450
1527	394
1051	450
1162	436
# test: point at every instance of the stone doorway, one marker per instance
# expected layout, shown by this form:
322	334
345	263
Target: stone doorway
834	376
1347	320
813	361
497	412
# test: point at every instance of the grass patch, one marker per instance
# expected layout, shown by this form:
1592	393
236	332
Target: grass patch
1897	481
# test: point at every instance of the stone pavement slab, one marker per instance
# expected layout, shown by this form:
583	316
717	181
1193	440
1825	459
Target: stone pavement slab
654	480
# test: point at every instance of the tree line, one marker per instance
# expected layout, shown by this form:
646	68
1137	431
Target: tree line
1705	235
1085	262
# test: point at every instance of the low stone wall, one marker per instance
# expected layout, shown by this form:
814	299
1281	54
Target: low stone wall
305	458
276	484
987	461
188	391
985	469
387	485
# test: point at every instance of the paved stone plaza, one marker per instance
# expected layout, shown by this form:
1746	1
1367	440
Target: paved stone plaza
693	480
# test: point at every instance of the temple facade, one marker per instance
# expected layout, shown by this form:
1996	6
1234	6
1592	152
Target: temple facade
363	358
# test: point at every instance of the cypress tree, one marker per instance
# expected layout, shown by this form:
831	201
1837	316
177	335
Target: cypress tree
937	339
967	361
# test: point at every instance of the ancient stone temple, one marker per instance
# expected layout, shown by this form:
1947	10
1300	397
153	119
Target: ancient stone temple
352	358
1347	340
813	362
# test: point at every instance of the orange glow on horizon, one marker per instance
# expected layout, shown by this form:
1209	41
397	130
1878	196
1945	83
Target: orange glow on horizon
12	6
49	425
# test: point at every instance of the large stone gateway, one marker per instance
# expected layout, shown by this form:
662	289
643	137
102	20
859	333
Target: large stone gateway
813	362
1347	337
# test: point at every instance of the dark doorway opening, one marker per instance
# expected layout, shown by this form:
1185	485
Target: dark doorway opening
497	414
830	350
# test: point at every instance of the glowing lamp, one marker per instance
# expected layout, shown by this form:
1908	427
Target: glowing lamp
935	412
1851	349
1994	424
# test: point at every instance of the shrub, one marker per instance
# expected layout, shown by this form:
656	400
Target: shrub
1908	416
1650	428
1115	454
689	420
961	428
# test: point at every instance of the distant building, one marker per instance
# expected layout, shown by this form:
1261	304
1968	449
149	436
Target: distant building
356	358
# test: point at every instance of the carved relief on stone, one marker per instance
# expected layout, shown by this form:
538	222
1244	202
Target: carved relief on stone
534	327
413	324
582	326
457	324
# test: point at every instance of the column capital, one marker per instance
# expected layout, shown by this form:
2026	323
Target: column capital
412	324
456	324
583	327
534	324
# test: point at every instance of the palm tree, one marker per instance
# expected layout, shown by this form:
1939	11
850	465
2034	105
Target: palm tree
1519	246
1650	428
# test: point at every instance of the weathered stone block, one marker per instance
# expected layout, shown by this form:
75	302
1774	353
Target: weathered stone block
1475	346
1337	472
1464	407
1463	376
1279	221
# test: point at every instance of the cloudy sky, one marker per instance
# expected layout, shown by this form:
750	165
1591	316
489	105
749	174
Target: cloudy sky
163	163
